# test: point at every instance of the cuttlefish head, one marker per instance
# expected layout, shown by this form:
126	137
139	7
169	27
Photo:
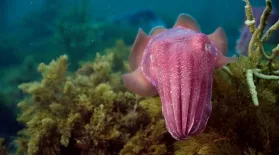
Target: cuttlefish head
138	83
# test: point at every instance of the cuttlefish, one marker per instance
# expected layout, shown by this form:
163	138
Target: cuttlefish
177	64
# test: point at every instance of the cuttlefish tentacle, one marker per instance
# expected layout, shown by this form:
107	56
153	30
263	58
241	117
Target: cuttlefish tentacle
187	21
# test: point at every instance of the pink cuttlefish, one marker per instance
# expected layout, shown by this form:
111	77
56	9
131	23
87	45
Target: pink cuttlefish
178	64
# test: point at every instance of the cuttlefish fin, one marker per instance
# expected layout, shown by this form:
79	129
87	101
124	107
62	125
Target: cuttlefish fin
156	30
219	39
137	83
137	49
187	21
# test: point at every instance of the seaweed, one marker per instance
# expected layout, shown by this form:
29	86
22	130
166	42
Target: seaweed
87	111
153	139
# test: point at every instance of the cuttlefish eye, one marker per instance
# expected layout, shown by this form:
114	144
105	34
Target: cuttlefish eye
208	47
152	58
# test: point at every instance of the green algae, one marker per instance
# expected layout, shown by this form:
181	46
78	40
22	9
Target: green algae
87	112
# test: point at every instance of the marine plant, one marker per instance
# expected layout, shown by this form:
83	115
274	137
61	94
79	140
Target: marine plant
256	48
90	112
86	112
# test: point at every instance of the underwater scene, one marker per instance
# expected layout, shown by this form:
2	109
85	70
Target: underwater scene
182	77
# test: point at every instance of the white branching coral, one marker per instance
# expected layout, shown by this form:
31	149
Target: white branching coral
256	48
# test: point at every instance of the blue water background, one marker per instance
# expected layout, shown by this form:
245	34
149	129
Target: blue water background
209	13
